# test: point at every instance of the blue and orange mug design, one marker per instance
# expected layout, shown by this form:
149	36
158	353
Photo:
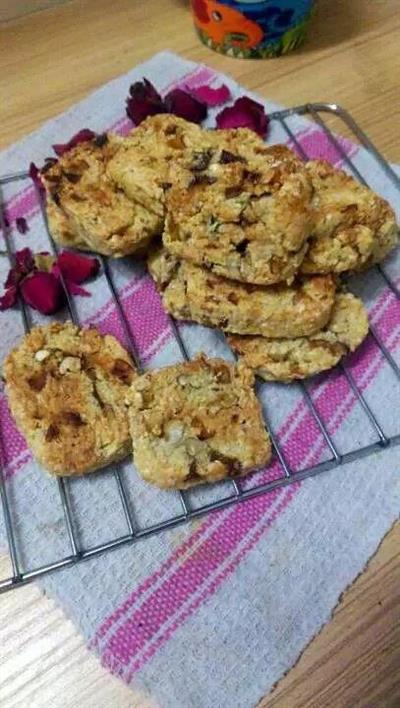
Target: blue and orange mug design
252	28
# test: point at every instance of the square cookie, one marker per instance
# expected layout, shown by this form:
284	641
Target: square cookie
196	422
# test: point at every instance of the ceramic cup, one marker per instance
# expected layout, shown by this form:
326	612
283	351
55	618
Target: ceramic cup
252	29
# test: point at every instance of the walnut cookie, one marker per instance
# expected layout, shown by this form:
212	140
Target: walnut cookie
87	210
193	293
148	158
67	390
354	228
290	359
196	422
243	219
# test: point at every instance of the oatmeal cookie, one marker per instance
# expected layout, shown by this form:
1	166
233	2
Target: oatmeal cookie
196	422
96	213
191	292
148	159
289	359
353	227
243	219
67	391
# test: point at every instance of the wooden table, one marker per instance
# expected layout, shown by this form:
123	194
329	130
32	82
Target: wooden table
48	61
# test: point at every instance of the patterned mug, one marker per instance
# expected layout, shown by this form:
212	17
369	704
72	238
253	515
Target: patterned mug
252	29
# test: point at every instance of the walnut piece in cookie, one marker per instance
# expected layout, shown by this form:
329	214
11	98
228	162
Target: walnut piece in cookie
196	422
290	359
67	389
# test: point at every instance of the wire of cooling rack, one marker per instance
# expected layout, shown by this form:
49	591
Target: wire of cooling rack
239	492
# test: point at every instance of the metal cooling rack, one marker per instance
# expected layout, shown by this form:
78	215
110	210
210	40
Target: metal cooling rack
238	494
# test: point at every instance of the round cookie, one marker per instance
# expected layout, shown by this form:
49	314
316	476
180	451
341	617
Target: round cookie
67	390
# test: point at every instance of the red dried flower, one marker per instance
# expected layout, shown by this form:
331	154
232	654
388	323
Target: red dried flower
43	292
24	260
38	279
72	287
24	264
83	136
211	96
77	268
185	106
22	225
143	101
9	298
75	289
245	113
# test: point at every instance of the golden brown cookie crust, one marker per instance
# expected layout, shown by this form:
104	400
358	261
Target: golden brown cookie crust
193	293
67	391
61	228
96	212
196	422
243	219
353	227
290	359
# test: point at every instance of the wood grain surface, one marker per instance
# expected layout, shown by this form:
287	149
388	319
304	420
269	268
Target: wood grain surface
48	61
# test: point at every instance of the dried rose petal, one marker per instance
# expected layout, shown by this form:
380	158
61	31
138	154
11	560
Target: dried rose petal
144	89
34	174
24	260
77	268
185	106
143	101
245	113
75	289
13	277
43	292
9	298
22	225
211	96
83	136
24	264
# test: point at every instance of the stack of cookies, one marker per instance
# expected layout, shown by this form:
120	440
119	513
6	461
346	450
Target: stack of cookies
238	235
253	238
254	243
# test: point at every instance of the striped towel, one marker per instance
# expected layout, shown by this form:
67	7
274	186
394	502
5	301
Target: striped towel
211	613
